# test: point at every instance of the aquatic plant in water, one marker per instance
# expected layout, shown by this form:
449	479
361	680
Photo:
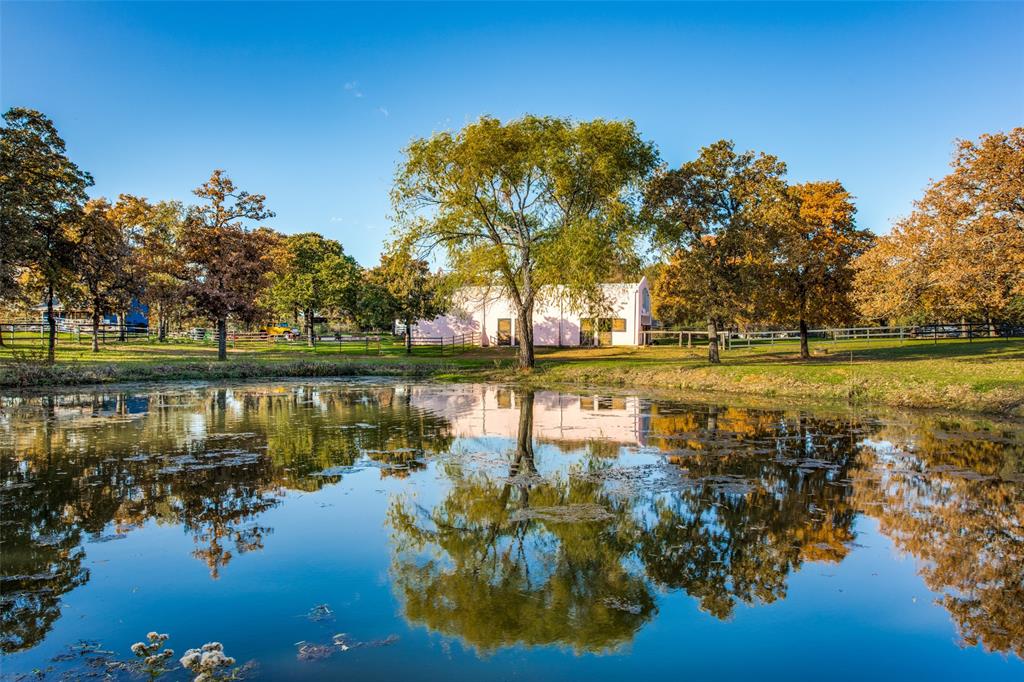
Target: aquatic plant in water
209	663
320	613
153	657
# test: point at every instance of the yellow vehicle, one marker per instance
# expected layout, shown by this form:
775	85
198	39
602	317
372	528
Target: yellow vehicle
281	329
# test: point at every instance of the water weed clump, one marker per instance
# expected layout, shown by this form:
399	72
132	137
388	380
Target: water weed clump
153	657
209	663
320	613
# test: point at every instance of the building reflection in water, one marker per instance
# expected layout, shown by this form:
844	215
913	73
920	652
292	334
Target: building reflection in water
476	411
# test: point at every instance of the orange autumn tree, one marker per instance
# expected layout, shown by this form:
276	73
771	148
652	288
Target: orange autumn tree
226	265
960	253
815	248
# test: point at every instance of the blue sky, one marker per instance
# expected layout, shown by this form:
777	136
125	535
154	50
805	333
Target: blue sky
311	104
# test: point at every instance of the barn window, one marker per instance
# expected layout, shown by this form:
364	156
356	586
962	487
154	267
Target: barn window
618	324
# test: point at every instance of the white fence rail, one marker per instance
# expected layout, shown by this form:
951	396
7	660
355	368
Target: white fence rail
677	336
78	333
748	339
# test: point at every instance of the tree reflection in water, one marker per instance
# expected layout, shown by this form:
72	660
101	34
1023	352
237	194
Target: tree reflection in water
766	492
951	494
40	557
78	466
478	566
752	496
566	547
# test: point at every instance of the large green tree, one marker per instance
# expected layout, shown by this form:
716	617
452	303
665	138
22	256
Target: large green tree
713	217
41	196
815	248
315	276
527	203
410	291
226	264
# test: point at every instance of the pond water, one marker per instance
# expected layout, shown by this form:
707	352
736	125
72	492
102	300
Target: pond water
385	530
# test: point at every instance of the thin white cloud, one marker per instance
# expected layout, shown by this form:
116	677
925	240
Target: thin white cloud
352	87
384	110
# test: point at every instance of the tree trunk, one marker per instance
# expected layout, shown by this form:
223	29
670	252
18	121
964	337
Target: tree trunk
524	462
805	352
408	336
52	323
121	327
713	356
161	334
524	336
308	314
1	335
95	326
222	338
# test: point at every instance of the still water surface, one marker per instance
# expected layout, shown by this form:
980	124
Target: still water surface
370	531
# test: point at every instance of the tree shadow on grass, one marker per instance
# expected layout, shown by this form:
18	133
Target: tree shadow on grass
977	352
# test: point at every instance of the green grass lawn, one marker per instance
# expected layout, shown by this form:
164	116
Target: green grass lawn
983	374
68	350
986	375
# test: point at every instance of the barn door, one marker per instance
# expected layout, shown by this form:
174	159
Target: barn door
504	331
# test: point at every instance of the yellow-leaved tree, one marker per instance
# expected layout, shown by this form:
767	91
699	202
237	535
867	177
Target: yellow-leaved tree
960	253
812	268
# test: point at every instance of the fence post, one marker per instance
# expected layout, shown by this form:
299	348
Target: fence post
681	339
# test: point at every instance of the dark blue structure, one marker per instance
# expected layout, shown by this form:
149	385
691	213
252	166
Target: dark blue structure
138	315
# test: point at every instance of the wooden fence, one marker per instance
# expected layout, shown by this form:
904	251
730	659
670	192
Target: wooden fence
926	332
454	343
675	337
369	343
79	332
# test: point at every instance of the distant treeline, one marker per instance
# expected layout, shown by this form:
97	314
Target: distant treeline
520	205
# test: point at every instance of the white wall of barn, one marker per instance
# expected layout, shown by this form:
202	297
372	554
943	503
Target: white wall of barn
477	310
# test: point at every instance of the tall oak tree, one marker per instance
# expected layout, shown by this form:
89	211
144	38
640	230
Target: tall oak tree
714	218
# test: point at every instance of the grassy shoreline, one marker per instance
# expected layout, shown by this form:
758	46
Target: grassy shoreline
983	376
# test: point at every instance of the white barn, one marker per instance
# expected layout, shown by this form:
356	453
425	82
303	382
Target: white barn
488	313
